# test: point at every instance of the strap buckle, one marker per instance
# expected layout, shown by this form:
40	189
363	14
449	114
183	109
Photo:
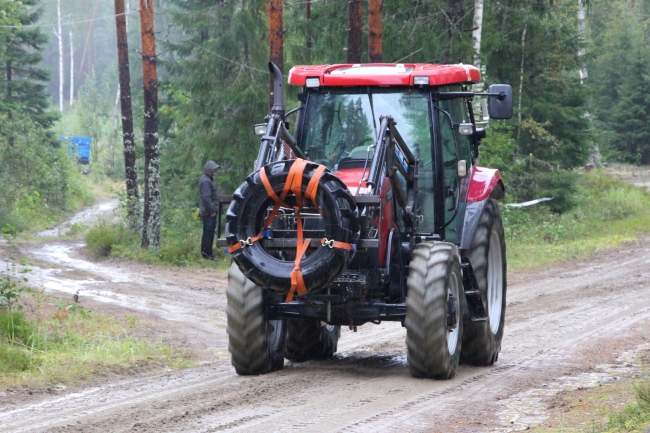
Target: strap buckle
247	242
327	243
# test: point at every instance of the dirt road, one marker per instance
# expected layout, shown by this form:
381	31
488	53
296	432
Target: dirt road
566	327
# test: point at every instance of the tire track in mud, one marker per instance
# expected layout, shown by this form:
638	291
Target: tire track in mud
552	318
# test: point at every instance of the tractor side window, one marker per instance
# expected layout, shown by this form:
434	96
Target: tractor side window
458	110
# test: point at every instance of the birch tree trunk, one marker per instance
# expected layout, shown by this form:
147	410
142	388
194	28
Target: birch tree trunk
581	37
124	92
59	35
476	40
375	31
152	203
355	16
71	71
521	82
476	33
276	41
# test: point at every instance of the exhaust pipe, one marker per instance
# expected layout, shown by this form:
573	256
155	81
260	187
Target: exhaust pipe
278	91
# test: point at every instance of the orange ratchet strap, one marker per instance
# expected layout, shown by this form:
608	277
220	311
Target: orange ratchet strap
293	184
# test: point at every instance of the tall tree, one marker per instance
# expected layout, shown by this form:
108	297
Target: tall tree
355	15
23	82
152	211
375	31
477	31
128	140
276	40
71	70
59	34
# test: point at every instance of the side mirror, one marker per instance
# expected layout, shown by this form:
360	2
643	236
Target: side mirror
500	101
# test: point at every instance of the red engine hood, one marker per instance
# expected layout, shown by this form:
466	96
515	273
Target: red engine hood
351	178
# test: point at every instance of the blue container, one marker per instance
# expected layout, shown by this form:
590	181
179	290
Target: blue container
82	147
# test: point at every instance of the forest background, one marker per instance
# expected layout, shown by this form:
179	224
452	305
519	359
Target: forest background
579	71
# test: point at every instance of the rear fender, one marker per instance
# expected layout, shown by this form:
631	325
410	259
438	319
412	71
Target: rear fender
485	183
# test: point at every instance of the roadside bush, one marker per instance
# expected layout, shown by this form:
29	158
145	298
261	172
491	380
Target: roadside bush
13	359
642	389
17	330
102	238
605	213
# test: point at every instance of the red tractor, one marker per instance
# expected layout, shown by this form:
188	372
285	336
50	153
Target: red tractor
371	210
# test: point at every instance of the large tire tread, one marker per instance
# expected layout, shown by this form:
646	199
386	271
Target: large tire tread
481	346
251	344
426	330
307	341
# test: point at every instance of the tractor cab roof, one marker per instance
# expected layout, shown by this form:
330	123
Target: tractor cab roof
383	74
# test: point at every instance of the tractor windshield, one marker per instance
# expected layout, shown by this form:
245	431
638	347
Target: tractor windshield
341	123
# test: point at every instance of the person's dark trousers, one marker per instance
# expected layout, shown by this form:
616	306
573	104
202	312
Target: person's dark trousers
209	227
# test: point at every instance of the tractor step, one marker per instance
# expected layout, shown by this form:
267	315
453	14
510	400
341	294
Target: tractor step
472	294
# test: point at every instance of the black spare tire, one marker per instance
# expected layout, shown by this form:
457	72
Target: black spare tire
249	209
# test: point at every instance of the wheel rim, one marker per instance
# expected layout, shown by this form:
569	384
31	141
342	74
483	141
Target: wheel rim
495	282
453	334
274	334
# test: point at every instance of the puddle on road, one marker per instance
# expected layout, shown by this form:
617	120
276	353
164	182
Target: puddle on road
530	408
84	217
56	280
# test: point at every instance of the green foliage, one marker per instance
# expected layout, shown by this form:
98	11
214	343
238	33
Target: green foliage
618	71
498	147
22	80
554	126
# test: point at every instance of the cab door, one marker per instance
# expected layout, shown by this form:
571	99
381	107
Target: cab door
454	148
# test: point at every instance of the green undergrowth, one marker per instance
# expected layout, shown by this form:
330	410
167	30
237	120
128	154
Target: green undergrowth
46	344
180	245
606	213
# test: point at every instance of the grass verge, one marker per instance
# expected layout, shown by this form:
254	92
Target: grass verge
617	408
45	344
608	212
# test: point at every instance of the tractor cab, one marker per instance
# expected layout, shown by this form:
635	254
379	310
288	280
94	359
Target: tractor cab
338	126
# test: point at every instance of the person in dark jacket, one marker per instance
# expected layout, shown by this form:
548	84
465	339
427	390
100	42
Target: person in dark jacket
208	208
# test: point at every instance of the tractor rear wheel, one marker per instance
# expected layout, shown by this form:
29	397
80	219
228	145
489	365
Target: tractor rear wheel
255	343
487	255
307	340
435	305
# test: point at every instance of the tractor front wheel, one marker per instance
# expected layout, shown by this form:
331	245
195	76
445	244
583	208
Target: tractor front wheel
487	255
255	343
435	305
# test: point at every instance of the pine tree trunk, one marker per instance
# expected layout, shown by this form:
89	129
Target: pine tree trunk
124	92
276	42
355	15
71	71
308	44
375	31
152	210
59	35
